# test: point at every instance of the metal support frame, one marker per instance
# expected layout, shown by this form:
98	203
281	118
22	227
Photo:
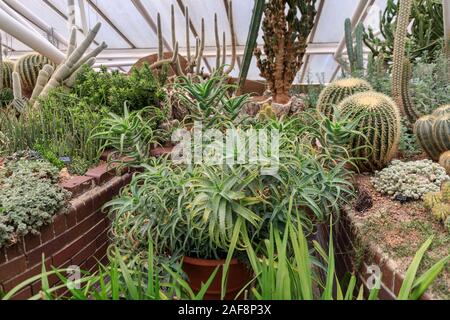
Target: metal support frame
34	19
151	23
28	37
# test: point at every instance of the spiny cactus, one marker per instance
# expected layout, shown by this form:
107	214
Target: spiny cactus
337	91
405	96
285	41
378	118
441	132
441	211
66	72
445	191
44	76
194	62
355	53
424	133
431	199
398	68
267	113
444	161
18	103
28	67
7	67
442	111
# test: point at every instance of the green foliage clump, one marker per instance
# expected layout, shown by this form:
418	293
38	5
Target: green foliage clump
29	198
112	89
411	179
378	118
337	91
6	96
49	155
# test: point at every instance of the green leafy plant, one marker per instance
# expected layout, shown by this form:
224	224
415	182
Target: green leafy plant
111	90
115	281
129	135
49	155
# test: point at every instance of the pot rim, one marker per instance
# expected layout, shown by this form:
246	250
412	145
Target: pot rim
208	262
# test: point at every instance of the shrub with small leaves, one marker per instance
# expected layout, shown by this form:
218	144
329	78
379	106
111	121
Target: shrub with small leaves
410	179
29	198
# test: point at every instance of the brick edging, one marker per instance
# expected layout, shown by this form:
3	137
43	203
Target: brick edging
391	280
76	238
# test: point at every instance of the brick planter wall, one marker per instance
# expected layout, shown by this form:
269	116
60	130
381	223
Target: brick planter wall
76	238
346	247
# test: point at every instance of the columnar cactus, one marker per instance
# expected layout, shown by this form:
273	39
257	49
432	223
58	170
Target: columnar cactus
18	103
444	161
28	68
398	68
378	118
355	53
65	73
285	41
337	91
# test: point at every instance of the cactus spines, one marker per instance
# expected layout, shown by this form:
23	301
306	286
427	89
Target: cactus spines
28	68
401	30
267	113
424	133
445	191
444	161
442	111
7	67
72	64
441	132
230	67
18	102
285	41
355	53
378	118
407	102
44	76
337	91
441	211
431	199
1	63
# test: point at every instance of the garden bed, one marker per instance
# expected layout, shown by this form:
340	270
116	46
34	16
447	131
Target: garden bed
389	234
76	238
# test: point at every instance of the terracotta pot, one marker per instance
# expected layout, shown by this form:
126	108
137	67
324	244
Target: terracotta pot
199	271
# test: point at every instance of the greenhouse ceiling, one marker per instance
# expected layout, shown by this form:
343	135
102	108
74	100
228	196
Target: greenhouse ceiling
129	29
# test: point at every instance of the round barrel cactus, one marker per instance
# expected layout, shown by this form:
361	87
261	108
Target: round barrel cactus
378	118
442	111
444	161
424	132
335	92
441	132
8	67
28	68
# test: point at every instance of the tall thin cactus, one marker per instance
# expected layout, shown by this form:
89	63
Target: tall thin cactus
399	87
354	51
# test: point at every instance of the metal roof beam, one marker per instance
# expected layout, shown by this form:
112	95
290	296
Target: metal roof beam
111	24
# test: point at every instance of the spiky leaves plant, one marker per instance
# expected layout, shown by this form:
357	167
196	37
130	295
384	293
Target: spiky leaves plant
379	120
335	92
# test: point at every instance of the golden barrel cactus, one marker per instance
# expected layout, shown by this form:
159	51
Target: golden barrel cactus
378	118
338	90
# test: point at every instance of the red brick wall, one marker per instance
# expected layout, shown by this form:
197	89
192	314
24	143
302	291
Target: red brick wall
77	238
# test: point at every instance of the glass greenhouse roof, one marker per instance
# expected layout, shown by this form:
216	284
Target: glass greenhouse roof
128	27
